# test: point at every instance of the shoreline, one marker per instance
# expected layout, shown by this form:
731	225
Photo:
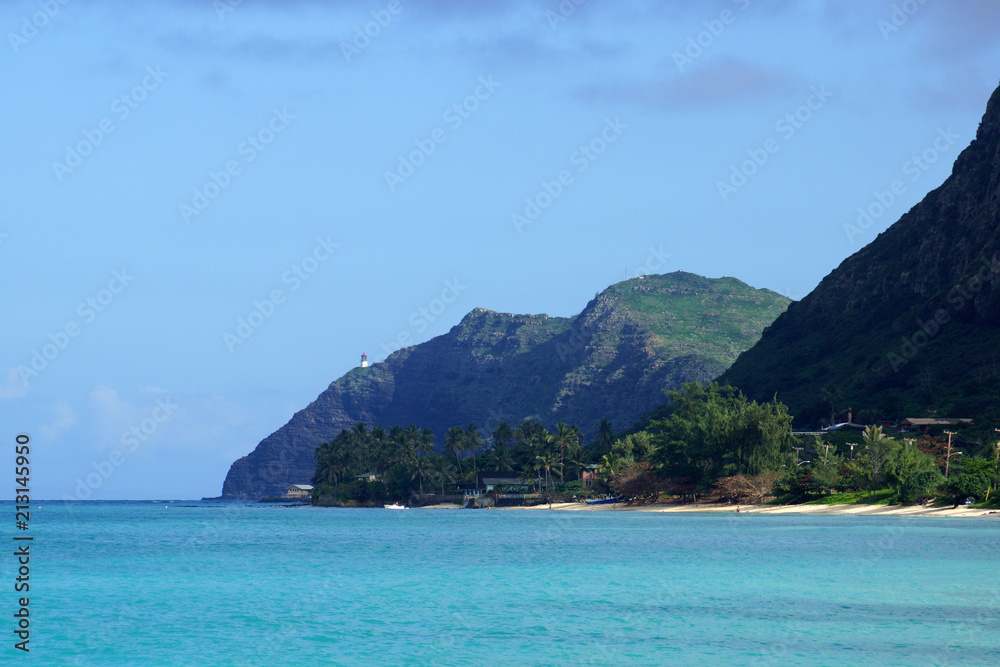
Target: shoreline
832	510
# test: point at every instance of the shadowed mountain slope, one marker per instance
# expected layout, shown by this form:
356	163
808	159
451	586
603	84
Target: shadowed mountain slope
908	325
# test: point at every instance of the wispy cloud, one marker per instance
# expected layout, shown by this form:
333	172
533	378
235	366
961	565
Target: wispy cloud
14	387
65	417
721	83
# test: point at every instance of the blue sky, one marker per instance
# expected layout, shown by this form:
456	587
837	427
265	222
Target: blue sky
212	209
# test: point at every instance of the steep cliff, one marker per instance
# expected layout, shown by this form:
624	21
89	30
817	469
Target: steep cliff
615	359
908	324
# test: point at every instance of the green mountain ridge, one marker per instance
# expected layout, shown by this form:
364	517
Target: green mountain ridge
908	325
615	359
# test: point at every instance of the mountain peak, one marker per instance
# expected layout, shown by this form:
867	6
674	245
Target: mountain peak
632	342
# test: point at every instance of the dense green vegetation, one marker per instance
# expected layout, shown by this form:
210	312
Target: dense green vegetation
710	441
373	465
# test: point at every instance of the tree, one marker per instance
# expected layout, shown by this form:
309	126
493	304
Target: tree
473	442
566	441
911	472
714	431
871	464
504	457
637	483
825	472
605	434
421	469
425	442
546	462
502	434
756	488
442	471
454	441
610	464
972	478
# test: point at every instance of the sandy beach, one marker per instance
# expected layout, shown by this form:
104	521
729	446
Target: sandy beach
855	510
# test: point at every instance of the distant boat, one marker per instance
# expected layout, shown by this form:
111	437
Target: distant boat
603	501
395	506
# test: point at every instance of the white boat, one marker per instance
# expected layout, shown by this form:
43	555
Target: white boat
395	506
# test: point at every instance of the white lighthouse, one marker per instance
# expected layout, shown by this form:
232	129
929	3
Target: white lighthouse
364	360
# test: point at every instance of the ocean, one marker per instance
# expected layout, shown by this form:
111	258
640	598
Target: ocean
198	583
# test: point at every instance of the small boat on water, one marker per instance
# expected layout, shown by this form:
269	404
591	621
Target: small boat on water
602	501
395	506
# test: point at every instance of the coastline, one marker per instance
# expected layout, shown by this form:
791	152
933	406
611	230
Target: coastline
834	510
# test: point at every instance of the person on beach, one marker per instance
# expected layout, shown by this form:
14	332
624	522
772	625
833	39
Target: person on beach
737	508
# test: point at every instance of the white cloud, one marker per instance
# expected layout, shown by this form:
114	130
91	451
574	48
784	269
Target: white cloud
15	387
65	418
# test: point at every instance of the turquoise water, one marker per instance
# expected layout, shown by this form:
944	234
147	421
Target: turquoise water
143	584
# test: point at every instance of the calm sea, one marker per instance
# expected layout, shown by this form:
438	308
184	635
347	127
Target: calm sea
186	583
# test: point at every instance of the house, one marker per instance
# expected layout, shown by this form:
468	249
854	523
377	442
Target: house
924	423
368	477
588	474
488	480
299	491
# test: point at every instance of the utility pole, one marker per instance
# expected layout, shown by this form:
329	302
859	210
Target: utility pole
826	453
947	460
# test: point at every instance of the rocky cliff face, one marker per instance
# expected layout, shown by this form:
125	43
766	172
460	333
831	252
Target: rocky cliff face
632	342
908	323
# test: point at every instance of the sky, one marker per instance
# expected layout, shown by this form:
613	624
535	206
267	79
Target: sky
211	209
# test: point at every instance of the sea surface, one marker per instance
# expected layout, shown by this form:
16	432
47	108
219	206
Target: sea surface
198	583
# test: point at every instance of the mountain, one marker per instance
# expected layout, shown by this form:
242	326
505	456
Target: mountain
615	359
908	325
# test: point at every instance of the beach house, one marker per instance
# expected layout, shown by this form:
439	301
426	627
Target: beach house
299	491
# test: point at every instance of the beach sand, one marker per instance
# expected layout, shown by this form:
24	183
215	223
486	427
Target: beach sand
858	510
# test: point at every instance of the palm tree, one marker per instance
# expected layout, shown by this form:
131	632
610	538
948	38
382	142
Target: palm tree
425	442
546	462
610	464
473	443
442	472
605	434
454	441
359	434
421	469
565	439
505	457
502	434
